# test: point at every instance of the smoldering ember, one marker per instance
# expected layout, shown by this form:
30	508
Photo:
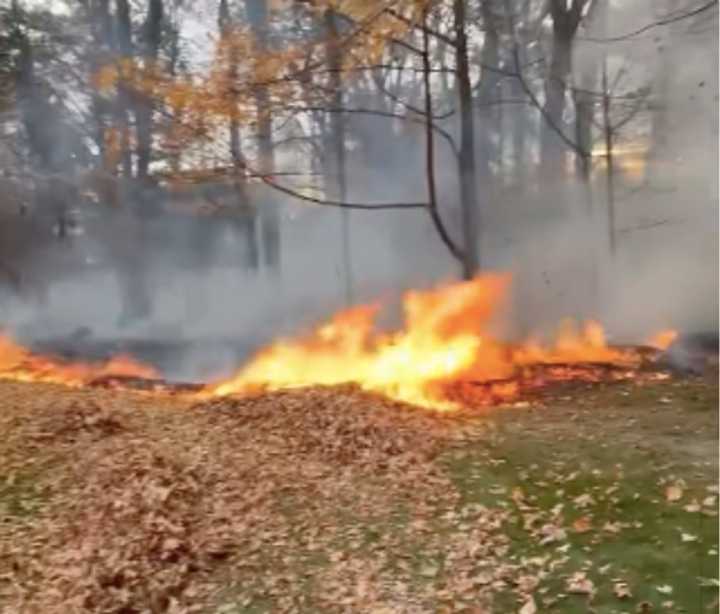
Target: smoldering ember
407	306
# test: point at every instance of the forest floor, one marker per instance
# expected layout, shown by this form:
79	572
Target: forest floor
601	498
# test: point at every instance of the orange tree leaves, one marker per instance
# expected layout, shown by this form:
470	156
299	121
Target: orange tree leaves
198	103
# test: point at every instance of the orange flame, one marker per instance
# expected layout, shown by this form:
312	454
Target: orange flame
18	363
444	352
445	340
662	340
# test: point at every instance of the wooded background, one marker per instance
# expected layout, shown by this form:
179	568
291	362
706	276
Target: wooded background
337	149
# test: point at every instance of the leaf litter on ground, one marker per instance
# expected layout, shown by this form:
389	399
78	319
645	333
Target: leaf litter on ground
149	505
159	506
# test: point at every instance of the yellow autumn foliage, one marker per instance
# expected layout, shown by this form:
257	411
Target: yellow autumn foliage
240	66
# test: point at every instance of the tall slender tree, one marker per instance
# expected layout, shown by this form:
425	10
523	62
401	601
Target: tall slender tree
244	214
259	18
335	147
470	212
152	39
566	16
123	36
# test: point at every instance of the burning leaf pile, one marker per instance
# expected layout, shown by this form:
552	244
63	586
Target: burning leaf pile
18	363
444	358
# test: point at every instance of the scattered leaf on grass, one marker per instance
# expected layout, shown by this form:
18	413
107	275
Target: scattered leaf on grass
580	584
528	607
621	590
582	525
692	507
583	501
674	492
552	533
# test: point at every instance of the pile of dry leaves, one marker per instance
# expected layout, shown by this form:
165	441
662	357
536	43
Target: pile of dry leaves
145	508
339	424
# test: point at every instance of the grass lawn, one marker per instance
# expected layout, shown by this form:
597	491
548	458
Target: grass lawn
601	498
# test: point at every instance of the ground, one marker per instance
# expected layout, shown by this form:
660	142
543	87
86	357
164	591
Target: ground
597	498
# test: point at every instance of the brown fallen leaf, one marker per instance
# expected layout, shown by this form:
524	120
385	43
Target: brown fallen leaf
518	496
528	607
552	533
583	501
692	507
621	590
580	584
673	493
582	525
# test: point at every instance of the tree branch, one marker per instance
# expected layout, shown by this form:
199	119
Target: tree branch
655	24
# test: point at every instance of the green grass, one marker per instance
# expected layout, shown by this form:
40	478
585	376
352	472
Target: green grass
616	447
621	445
624	466
647	553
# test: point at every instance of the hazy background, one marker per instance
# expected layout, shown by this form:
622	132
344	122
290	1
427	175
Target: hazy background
665	272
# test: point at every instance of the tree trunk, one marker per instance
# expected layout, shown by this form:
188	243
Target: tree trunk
584	111
590	56
257	11
609	163
245	220
430	148
553	149
566	18
128	247
489	113
468	180
101	27
124	39
336	147
520	124
144	108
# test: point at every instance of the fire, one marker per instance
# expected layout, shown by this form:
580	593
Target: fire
446	339
662	340
445	355
572	344
442	341
18	363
